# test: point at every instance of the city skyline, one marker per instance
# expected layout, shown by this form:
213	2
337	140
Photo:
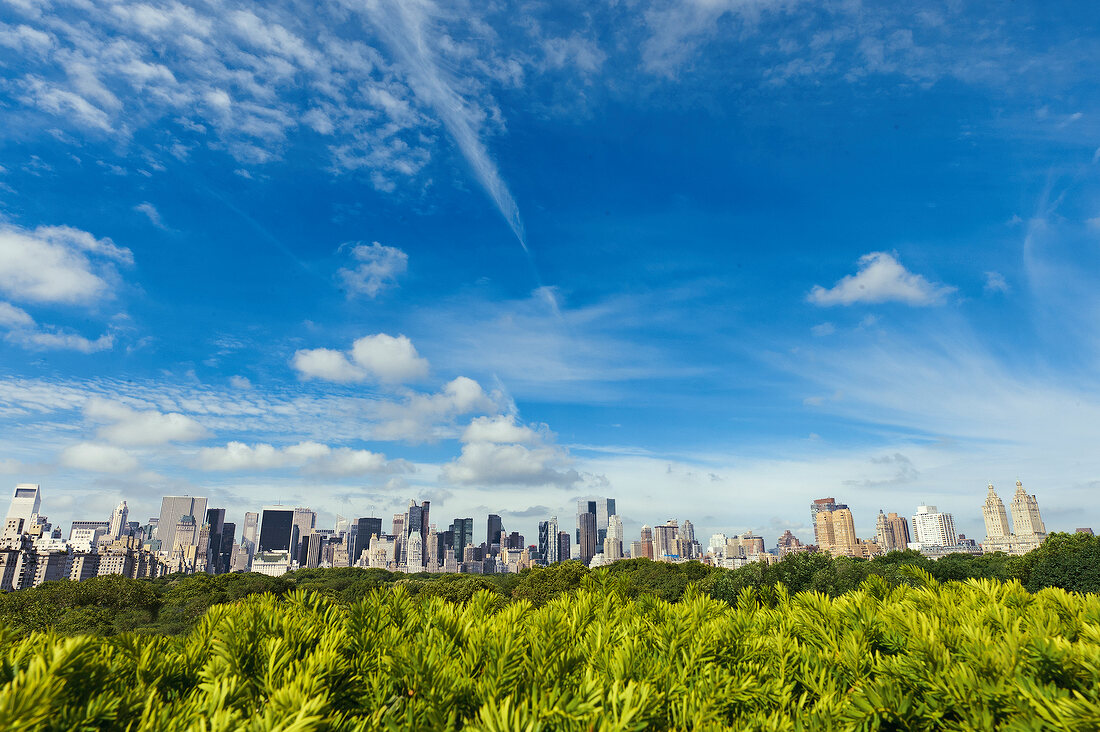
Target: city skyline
714	259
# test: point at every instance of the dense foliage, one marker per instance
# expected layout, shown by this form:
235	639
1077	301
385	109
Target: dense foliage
924	655
173	605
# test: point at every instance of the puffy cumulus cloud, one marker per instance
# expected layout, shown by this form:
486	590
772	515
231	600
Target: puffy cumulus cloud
24	331
419	417
377	268
498	429
309	457
389	359
380	357
881	278
98	458
325	364
491	464
132	427
497	451
57	264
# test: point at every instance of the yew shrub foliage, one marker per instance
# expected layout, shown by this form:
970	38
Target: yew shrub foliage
891	655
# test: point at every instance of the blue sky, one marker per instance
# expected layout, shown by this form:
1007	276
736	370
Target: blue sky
714	259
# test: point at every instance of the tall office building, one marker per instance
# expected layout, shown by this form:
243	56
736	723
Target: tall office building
996	520
225	560
613	541
463	533
834	530
26	501
645	537
1026	521
932	528
818	506
215	517
304	521
118	520
251	530
277	530
586	531
605	509
365	529
552	555
172	509
493	527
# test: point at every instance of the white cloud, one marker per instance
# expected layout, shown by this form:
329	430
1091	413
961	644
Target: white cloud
497	451
151	213
98	458
995	282
132	427
383	358
881	278
325	364
491	464
378	267
823	329
57	264
240	382
13	317
309	457
389	359
23	331
498	429
420	416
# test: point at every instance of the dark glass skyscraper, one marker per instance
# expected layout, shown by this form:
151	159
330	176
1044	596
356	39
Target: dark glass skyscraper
586	530
276	529
365	529
493	527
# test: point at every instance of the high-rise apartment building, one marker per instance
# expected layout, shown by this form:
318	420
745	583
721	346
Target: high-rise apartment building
1030	531
463	529
304	521
645	539
1026	521
664	541
564	551
819	506
934	529
996	520
172	509
891	532
834	529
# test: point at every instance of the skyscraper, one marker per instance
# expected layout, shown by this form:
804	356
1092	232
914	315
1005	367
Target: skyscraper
366	528
552	554
664	541
225	563
493	527
834	529
821	504
996	520
891	532
304	521
118	520
605	509
564	552
277	530
215	517
586	531
613	541
172	509
251	530
1026	521
26	501
463	529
